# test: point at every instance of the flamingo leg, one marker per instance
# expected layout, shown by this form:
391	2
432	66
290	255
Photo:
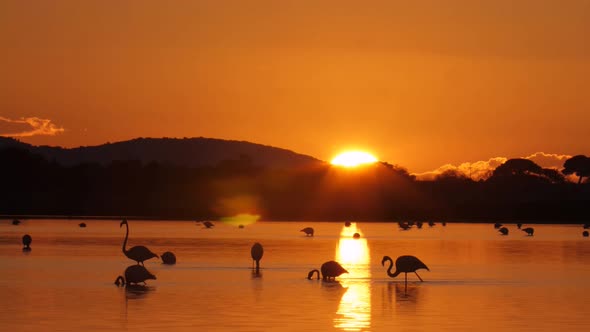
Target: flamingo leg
418	276
406	282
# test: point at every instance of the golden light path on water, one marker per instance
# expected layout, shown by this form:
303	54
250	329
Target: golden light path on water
354	311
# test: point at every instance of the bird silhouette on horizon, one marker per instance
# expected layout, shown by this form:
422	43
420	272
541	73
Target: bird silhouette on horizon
256	252
529	231
137	253
404	264
503	231
330	270
168	258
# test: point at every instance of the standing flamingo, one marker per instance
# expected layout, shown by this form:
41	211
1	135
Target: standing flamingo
27	239
330	270
404	264
256	252
137	253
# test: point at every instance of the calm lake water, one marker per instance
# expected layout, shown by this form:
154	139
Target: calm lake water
478	279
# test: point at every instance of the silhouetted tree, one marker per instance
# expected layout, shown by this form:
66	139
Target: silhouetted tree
579	165
518	166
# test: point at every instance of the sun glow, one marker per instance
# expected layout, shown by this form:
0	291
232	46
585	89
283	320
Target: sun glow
353	159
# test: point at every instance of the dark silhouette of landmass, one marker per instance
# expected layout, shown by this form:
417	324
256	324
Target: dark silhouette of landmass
272	183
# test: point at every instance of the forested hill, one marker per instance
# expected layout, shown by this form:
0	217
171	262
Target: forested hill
187	152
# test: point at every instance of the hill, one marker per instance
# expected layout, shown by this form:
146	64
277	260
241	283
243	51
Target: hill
189	152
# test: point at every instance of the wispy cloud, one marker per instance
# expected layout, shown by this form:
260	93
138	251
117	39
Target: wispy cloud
26	127
483	169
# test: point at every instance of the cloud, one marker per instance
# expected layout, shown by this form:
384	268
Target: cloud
26	127
481	170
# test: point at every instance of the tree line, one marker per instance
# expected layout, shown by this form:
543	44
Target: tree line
519	189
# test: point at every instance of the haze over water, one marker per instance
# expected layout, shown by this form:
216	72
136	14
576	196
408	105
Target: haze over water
478	279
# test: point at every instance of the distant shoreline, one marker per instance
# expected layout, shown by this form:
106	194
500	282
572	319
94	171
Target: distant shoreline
438	221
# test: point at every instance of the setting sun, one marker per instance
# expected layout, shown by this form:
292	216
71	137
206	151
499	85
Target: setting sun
353	159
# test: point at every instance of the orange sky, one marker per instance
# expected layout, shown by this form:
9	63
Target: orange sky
418	83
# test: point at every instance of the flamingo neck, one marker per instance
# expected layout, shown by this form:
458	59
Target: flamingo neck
120	281
393	275
310	274
126	236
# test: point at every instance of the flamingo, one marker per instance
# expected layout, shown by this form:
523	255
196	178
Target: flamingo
27	239
15	222
134	274
330	270
208	224
168	258
308	231
137	253
585	233
404	264
256	252
529	231
82	224
503	230
519	225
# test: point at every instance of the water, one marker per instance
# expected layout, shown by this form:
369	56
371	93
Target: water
478	280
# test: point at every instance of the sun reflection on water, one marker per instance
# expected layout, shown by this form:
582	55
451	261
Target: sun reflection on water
354	311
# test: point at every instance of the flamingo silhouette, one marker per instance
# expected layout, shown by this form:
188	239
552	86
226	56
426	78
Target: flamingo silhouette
330	270
404	264
27	239
82	224
585	233
137	253
15	222
519	225
308	231
256	252
168	258
134	274
529	231
503	231
208	224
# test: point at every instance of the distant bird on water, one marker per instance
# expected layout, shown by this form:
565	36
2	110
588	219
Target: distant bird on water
168	258
503	231
356	236
330	270
256	252
347	224
15	222
404	264
27	239
497	225
137	253
308	231
519	225
134	274
82	224
208	224
585	233
586	226
529	230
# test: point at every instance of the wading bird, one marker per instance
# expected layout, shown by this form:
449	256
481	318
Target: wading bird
503	231
27	239
308	231
585	233
168	258
137	253
82	224
208	224
134	274
404	264
330	270
529	231
256	252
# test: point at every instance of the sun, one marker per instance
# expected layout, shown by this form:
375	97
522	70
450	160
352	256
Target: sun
353	159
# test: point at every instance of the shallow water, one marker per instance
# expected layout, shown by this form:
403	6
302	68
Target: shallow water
478	279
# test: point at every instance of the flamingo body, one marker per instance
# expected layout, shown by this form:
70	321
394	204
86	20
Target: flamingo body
308	231
256	252
168	258
135	274
27	239
503	231
330	270
529	230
